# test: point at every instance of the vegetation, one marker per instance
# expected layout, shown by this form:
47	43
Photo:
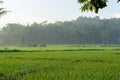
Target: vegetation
80	31
93	5
2	10
35	59
90	64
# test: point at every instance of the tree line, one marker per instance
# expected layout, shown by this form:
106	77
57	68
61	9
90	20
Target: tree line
83	30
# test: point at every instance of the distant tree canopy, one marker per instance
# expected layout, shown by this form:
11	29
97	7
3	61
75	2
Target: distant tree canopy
93	5
83	30
2	10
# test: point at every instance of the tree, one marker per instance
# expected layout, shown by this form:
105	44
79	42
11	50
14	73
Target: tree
2	10
93	5
76	35
104	35
92	30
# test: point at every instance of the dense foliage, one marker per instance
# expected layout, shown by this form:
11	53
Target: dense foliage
80	31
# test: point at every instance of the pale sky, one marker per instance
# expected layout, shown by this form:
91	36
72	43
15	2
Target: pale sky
29	11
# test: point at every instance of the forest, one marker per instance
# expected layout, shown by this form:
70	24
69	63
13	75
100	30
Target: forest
83	30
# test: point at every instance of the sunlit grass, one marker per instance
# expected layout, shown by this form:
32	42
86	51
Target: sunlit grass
60	64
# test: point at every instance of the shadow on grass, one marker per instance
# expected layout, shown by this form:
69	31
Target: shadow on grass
17	50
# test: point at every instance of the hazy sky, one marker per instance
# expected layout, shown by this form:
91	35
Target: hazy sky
29	11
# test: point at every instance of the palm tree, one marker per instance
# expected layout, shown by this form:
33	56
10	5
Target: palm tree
2	10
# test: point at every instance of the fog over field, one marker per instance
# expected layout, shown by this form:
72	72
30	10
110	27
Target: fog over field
83	30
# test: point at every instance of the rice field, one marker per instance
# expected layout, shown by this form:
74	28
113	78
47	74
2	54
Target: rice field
60	63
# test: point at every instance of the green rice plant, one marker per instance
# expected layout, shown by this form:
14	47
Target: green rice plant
88	64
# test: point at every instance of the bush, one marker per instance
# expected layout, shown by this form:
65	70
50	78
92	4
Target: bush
43	45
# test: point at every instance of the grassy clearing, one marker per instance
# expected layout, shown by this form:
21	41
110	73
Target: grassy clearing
60	64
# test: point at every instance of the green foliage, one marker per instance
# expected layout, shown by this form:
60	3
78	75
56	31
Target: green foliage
93	5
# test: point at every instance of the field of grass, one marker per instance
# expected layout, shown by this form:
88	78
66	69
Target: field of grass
60	63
